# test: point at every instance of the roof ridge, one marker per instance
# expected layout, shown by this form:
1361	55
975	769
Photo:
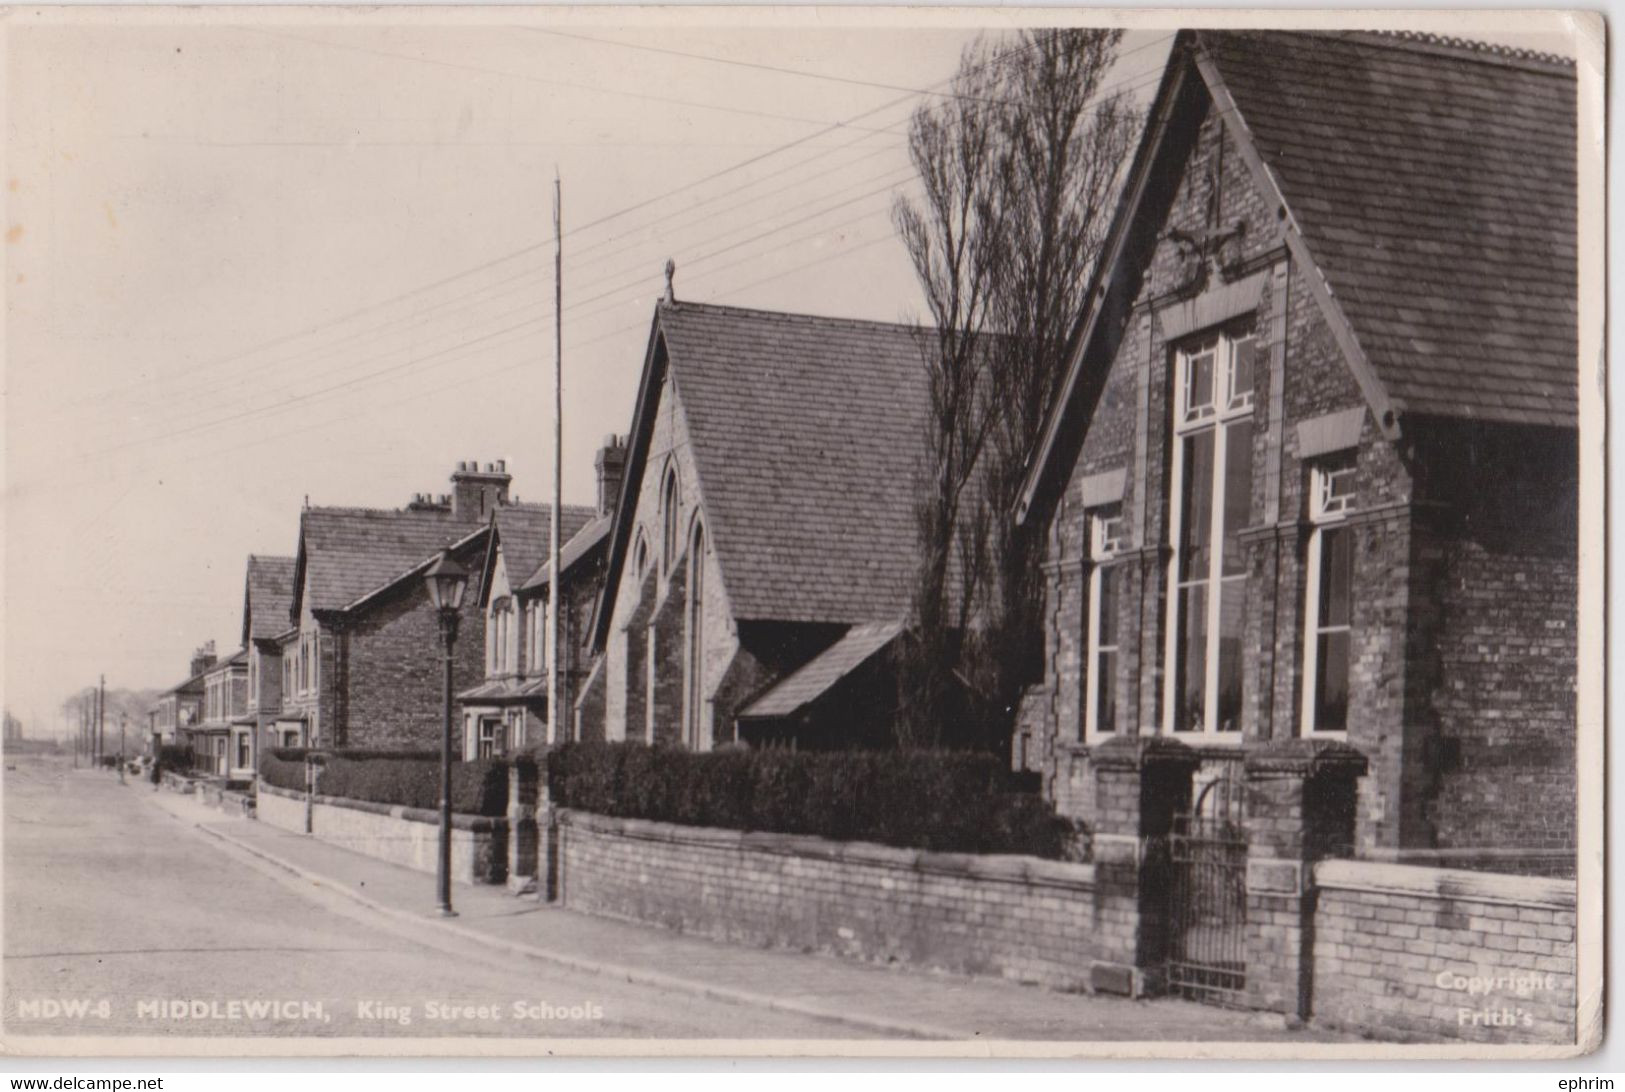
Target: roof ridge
1474	50
429	516
791	316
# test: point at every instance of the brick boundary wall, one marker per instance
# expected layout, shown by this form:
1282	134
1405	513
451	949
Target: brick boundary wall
1013	917
399	835
1423	954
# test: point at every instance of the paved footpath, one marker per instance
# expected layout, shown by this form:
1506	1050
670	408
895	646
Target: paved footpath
867	999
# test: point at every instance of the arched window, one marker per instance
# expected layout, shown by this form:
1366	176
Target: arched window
668	518
640	558
693	688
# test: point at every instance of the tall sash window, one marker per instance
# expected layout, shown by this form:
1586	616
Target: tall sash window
1105	579
1211	501
1329	600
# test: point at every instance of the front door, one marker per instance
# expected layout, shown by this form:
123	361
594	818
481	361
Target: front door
220	756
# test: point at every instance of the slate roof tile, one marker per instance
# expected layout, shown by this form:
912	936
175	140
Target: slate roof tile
269	596
1436	188
526	533
577	544
349	552
823	671
807	432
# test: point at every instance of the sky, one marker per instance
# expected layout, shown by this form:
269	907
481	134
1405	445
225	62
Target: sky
308	256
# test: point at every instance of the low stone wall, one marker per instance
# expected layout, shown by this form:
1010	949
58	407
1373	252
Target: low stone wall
280	808
1424	954
403	836
1015	917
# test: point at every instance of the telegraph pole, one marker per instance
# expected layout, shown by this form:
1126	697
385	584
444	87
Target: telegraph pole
101	717
555	593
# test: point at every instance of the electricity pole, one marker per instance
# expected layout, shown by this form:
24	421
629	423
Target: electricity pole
555	592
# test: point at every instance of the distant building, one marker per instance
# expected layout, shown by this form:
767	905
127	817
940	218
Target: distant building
222	745
175	715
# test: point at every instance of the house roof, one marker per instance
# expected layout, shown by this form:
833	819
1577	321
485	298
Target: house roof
267	597
586	538
526	532
813	679
346	554
806	433
1427	187
235	660
1435	185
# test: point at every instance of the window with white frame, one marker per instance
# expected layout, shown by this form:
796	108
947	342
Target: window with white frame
1329	598
541	634
1106	530
500	647
668	523
1210	503
492	738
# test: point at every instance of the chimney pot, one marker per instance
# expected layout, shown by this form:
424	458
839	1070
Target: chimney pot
502	466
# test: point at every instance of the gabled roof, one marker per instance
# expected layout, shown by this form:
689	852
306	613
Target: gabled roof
267	597
526	534
1426	189
346	554
812	680
1435	186
806	433
581	544
235	660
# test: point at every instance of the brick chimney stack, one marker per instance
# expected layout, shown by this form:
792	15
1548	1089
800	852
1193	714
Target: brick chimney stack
611	465
476	493
203	659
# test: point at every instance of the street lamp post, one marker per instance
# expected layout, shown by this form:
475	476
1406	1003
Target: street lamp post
447	582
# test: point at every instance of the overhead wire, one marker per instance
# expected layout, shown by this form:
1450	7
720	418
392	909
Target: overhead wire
508	257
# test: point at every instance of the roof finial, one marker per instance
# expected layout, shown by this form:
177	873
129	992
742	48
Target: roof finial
671	271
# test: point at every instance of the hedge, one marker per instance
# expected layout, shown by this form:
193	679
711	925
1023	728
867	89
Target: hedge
407	778
943	801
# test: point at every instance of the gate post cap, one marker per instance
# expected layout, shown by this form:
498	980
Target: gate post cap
1305	758
1144	752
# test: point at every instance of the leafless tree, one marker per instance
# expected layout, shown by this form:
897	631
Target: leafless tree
1018	171
952	240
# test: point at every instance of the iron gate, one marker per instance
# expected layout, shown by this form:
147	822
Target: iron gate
1207	896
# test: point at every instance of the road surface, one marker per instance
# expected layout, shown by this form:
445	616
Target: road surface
119	920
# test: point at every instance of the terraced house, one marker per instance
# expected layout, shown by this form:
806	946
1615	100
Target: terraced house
508	709
221	746
267	602
361	665
1313	474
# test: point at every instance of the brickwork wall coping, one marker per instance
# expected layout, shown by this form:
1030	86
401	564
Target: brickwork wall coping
480	824
1139	752
1446	884
1001	868
1306	758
